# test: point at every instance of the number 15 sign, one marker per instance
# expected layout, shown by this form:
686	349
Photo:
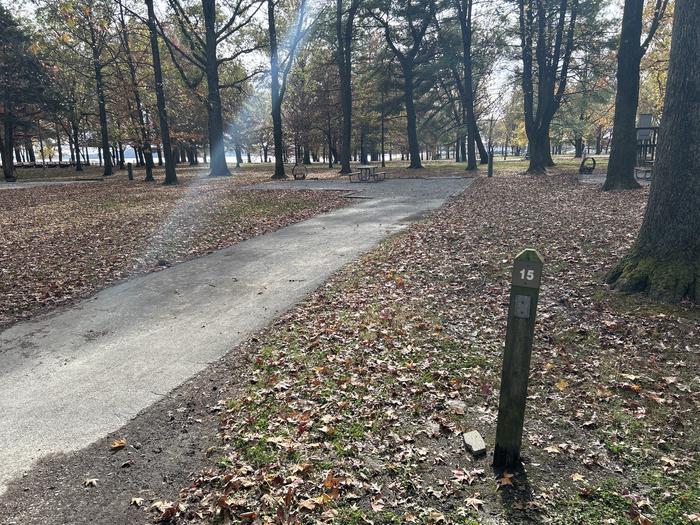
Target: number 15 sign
527	273
524	294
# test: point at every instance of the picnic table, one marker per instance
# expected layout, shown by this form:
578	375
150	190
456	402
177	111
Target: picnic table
367	173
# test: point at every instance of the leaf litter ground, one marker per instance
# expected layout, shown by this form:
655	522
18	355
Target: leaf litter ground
351	408
357	399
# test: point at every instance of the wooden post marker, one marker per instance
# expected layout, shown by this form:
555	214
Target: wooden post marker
524	293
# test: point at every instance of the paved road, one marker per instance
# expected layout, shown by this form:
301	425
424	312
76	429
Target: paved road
72	377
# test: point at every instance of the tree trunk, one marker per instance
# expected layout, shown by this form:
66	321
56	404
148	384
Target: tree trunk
464	12
407	60
275	94
76	146
383	132
539	152
277	139
102	106
239	155
344	59
363	144
279	74
411	127
70	146
41	145
623	156
218	167
7	160
58	145
471	144
552	38
665	261
8	140
483	154
121	155
29	146
145	150
167	151
549	161
329	136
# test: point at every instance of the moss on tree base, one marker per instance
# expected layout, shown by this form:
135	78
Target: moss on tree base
665	280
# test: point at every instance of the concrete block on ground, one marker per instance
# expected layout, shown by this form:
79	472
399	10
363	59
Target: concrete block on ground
475	443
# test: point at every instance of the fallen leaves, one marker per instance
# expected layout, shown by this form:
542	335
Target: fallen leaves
505	480
166	510
118	444
327	430
474	502
68	241
357	400
468	477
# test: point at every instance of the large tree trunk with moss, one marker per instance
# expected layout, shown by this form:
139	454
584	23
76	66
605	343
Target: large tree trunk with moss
665	261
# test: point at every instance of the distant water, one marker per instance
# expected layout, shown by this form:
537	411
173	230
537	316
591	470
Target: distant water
129	156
